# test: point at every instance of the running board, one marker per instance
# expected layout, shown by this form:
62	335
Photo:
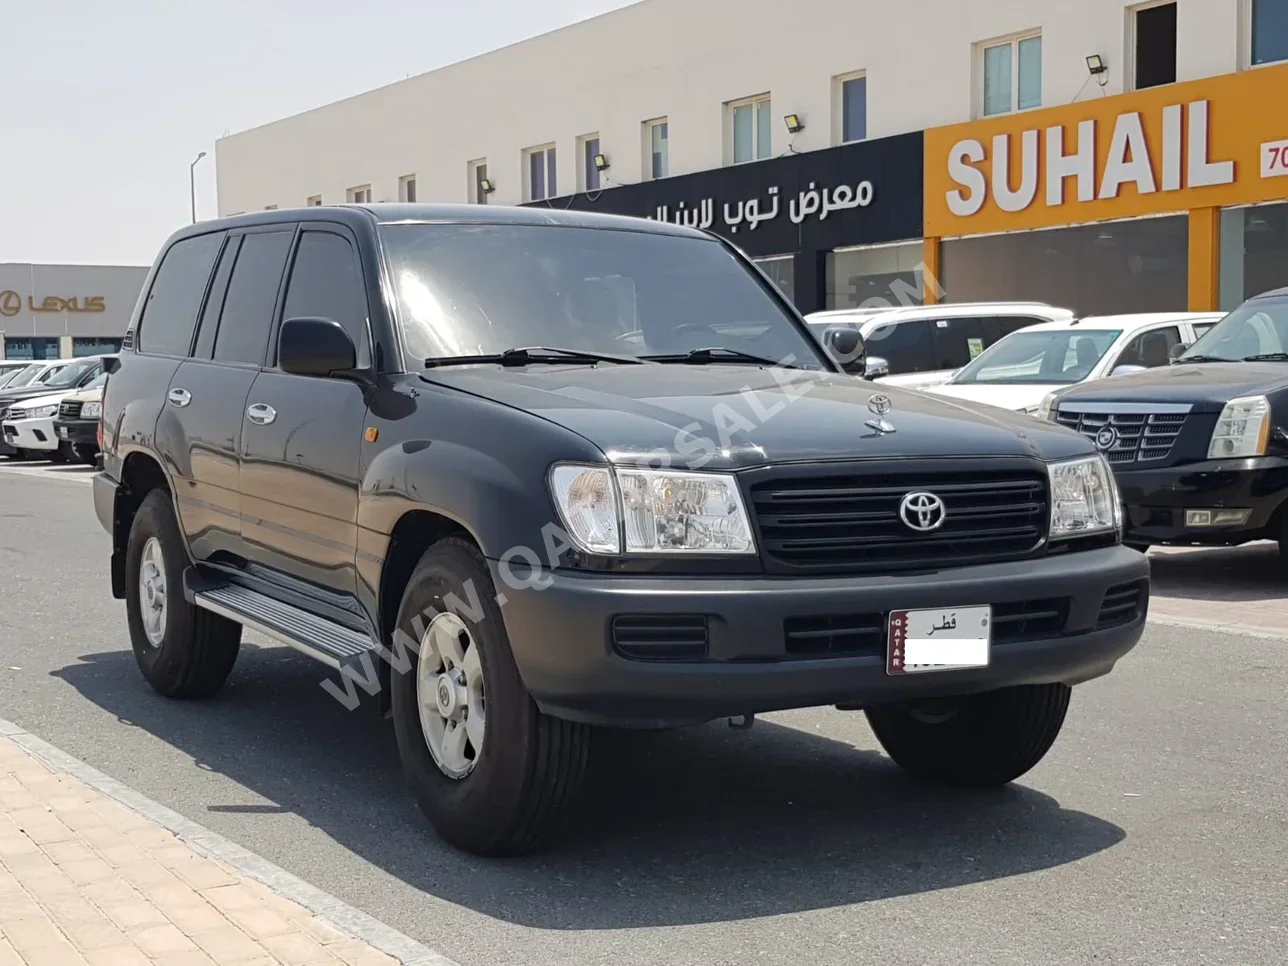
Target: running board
321	639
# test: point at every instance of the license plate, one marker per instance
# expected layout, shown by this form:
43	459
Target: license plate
951	639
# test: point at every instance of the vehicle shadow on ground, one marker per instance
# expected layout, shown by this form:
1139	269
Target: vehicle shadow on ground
697	826
1253	572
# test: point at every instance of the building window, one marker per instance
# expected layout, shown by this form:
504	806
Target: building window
1010	74
478	180
407	188
1269	23
1153	44
882	276
656	156
31	348
781	270
850	107
542	180
1254	252
360	195
94	347
315	201
750	128
588	177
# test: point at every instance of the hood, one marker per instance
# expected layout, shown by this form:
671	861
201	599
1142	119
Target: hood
35	402
917	380
1208	386
739	416
1018	398
26	392
87	395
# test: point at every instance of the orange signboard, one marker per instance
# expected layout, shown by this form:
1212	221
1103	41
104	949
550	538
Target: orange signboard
1208	143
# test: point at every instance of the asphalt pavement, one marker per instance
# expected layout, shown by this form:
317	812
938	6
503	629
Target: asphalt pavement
1155	832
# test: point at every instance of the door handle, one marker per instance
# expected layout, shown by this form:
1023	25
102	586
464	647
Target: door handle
261	413
179	397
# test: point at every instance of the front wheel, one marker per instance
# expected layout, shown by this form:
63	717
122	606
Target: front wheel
86	454
979	741
58	456
492	773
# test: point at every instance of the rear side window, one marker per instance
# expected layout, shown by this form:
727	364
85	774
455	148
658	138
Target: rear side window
1150	349
326	283
905	345
170	314
957	342
247	317
1013	323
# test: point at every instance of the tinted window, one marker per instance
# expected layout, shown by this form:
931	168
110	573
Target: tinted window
477	289
170	313
75	373
1013	323
247	317
905	345
1054	356
1255	328
957	342
326	283
1150	349
215	302
1201	329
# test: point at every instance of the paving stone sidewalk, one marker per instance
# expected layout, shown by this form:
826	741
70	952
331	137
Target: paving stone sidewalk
84	880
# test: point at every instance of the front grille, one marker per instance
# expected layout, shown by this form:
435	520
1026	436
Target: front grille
1122	605
1138	437
70	409
660	637
853	635
14	413
851	524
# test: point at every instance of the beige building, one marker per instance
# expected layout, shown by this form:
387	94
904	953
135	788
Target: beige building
60	311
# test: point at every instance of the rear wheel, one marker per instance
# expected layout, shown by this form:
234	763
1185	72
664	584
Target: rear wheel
979	741
183	651
492	773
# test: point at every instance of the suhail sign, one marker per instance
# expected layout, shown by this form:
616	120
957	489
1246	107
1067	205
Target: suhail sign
1182	162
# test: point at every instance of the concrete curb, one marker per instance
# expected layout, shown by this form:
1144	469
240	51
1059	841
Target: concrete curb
1224	627
336	913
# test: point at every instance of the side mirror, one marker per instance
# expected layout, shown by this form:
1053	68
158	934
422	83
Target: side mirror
315	347
876	367
1176	351
845	345
1127	370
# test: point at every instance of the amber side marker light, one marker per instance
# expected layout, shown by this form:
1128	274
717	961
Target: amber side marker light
372	434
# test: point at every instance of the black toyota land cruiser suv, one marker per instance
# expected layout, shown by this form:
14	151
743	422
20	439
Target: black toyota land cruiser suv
1199	448
521	473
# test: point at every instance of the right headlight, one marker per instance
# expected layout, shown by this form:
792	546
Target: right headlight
92	410
1084	498
610	509
1242	430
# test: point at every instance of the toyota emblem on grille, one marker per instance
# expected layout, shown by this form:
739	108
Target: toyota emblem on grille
1106	438
922	511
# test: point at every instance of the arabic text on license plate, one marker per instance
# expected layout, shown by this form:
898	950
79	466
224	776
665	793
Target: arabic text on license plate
938	640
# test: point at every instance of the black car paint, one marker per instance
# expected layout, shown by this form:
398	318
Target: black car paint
308	510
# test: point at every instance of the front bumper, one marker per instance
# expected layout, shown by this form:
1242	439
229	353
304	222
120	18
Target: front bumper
561	637
78	432
31	434
1155	501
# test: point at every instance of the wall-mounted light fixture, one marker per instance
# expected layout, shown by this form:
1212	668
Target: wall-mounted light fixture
486	186
794	123
601	162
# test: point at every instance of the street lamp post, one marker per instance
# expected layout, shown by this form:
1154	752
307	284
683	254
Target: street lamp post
192	184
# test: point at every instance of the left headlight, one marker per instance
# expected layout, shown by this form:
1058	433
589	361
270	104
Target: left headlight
42	412
660	511
1242	430
91	410
1084	498
1045	409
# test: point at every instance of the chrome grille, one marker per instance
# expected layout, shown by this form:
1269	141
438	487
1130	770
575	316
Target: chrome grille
1138	437
13	413
70	409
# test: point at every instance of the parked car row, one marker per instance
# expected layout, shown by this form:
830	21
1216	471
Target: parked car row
49	410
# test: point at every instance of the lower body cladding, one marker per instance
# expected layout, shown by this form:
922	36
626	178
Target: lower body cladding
1216	503
651	652
30	434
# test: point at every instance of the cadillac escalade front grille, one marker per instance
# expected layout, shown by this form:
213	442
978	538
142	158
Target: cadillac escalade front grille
69	409
851	523
1128	437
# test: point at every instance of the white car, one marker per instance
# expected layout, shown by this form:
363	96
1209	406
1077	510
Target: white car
27	425
1021	370
923	345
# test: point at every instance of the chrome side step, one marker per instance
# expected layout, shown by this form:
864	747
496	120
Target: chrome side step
321	639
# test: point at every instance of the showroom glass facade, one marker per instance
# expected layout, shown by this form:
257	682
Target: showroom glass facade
31	347
876	275
1254	252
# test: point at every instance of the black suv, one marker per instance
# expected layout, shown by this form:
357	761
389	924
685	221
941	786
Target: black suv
519	473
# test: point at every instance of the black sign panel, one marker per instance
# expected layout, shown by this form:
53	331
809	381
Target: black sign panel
856	194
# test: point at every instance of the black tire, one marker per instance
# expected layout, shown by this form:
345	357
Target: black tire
526	778
58	456
991	740
86	454
197	649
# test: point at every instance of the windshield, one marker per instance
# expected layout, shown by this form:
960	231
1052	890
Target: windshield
96	383
466	290
1255	328
25	376
73	374
1057	357
6	375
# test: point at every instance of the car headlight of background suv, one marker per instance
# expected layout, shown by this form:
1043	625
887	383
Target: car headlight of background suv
608	509
91	410
41	412
1242	430
1084	498
1046	409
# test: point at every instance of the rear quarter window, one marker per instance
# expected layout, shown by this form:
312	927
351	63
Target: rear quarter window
170	313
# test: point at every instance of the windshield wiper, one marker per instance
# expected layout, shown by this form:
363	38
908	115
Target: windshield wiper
1203	358
718	354
1267	357
529	355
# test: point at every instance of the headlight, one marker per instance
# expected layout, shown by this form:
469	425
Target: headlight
1046	408
659	511
91	410
42	412
1084	497
1242	430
